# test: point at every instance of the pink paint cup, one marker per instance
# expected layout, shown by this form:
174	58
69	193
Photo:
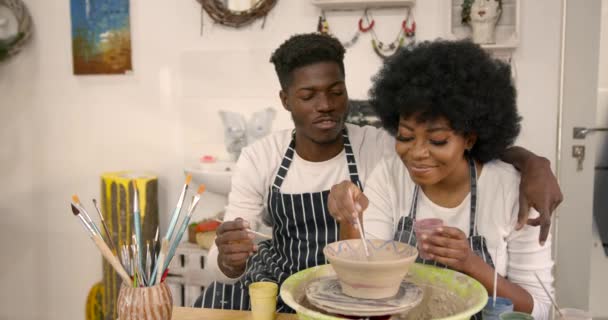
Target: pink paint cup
428	227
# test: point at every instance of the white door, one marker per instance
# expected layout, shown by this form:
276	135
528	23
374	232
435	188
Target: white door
599	249
578	255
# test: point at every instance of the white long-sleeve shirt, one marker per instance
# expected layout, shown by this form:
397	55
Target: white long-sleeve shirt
390	189
258	165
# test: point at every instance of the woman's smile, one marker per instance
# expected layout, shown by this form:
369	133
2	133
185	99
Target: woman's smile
420	169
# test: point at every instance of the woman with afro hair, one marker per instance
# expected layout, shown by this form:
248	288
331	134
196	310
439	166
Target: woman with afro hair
452	109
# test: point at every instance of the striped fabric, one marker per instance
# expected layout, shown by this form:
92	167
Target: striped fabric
302	226
405	228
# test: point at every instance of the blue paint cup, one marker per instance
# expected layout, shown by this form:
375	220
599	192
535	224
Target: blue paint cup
492	312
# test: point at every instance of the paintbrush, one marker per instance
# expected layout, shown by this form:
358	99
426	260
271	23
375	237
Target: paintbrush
102	246
155	248
137	223
174	217
138	266
259	234
126	261
148	261
124	252
133	255
164	247
362	236
183	227
84	212
130	264
178	208
130	260
105	228
359	227
156	243
550	296
123	262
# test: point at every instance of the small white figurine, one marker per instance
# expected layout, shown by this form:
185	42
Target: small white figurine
235	132
238	132
482	16
260	124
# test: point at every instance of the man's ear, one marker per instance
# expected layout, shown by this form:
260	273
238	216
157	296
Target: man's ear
283	96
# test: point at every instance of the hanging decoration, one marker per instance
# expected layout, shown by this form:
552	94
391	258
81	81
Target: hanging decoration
15	27
407	31
220	12
323	27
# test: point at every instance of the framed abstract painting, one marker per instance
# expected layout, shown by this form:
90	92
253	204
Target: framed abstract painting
101	36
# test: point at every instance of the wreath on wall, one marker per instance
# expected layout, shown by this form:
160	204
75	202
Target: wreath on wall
218	11
15	26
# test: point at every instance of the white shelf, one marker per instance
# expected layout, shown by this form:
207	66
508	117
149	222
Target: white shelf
190	248
361	4
501	46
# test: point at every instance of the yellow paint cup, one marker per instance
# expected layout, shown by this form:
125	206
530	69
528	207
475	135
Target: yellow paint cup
263	297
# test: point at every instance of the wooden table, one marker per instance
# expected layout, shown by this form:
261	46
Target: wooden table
180	313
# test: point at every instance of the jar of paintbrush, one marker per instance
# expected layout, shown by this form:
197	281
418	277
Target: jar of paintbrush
143	294
144	303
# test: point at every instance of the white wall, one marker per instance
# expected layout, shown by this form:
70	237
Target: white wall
59	131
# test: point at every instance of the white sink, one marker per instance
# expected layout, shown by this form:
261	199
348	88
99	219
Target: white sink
215	176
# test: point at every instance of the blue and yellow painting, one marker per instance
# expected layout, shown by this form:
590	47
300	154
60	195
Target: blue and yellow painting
101	36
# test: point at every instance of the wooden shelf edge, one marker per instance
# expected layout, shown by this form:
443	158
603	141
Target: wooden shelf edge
361	4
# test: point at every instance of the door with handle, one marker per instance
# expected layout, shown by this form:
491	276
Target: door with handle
574	218
581	132
600	167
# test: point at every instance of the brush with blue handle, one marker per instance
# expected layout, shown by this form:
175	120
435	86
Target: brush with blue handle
173	221
137	223
182	228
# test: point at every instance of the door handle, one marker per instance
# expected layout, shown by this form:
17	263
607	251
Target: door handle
581	132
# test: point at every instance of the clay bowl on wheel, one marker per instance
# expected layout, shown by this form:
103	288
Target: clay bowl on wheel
375	277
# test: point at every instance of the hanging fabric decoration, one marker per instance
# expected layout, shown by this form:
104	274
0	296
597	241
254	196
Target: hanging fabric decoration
323	27
407	31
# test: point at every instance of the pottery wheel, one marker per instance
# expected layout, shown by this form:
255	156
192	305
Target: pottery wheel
325	293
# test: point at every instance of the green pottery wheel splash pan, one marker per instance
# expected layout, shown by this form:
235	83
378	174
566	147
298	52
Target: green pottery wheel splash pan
471	294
